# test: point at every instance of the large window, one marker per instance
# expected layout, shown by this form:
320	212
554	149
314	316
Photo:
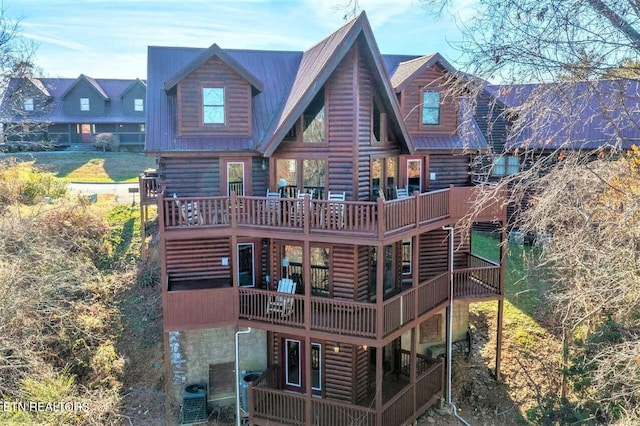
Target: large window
430	107
84	104
313	123
138	104
28	104
213	105
383	177
506	165
310	179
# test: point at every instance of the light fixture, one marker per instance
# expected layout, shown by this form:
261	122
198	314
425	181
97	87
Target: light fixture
336	347
282	183
264	164
365	347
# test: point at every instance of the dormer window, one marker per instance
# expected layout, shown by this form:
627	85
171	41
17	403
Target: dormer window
28	104
213	105
138	104
84	104
430	107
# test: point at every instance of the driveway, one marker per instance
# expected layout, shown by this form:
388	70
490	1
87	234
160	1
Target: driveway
120	190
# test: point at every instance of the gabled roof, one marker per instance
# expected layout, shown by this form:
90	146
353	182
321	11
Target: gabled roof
317	65
407	71
133	84
92	82
55	113
214	51
41	87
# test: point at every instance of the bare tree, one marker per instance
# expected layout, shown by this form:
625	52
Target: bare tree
576	186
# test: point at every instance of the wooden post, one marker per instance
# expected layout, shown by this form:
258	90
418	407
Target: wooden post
499	338
381	221
416	194
379	378
306	214
306	278
380	291
233	210
308	391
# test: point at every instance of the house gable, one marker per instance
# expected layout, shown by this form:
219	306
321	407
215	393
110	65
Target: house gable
214	74
25	99
426	75
133	99
85	88
317	66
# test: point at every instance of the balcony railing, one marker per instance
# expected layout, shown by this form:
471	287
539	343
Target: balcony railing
378	219
268	402
360	318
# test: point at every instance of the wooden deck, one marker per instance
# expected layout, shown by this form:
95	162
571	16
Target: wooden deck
345	219
367	320
402	402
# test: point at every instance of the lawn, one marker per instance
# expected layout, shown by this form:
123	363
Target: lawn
88	166
524	284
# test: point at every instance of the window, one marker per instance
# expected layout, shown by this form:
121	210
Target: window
213	105
430	107
246	273
138	104
378	123
235	178
316	366
28	104
313	120
310	179
414	176
505	165
293	370
84	104
406	256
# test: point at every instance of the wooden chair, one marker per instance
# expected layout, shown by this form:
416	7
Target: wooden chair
188	211
282	304
336	211
402	193
274	209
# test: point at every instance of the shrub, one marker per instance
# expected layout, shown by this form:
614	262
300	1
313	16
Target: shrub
107	142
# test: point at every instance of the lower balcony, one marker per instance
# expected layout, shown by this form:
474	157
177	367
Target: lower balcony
481	279
402	401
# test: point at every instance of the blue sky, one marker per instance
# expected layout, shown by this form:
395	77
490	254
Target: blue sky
109	38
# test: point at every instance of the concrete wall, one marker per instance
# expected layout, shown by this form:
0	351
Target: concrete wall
192	352
460	326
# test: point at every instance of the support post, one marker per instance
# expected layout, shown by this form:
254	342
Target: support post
499	338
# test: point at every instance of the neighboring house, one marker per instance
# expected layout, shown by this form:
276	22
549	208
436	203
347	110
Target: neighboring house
282	209
70	112
523	123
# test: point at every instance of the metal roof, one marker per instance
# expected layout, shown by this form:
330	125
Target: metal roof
290	81
580	115
57	87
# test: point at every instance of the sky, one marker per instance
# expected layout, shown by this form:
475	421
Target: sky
109	38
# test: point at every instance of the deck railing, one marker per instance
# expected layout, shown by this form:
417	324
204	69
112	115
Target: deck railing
344	316
363	218
481	278
148	189
267	401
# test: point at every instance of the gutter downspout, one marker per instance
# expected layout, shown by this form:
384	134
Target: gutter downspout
449	402
248	330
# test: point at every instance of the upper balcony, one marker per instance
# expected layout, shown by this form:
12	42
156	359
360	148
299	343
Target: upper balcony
362	219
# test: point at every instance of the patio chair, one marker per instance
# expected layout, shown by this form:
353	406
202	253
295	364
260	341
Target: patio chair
188	211
336	211
282	304
402	193
274	208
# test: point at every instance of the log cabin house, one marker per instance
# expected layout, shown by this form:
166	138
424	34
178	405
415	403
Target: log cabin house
304	195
